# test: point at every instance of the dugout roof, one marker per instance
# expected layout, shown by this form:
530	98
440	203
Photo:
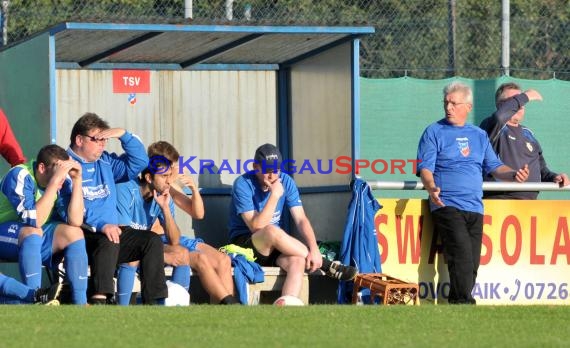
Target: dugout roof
86	45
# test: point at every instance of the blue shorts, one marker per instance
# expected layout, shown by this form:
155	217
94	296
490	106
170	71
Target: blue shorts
188	243
9	234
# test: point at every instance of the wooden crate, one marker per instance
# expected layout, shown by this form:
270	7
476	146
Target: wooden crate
389	289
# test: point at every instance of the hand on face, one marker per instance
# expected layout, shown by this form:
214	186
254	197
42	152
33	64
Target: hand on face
110	133
186	180
162	198
275	186
61	169
75	170
533	95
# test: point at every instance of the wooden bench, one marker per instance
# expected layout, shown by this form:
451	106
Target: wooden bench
274	279
258	293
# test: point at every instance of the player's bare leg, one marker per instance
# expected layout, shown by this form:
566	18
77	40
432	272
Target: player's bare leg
295	268
221	263
271	237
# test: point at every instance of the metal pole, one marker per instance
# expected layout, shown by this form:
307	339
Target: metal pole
506	37
229	10
188	9
451	37
4	21
247	12
2	25
487	186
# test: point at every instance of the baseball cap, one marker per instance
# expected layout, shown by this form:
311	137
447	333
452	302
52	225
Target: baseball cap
267	154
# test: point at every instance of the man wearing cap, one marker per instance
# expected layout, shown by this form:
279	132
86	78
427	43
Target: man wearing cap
258	199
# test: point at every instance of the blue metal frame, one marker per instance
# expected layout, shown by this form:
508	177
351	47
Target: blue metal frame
283	112
284	124
1	27
158	66
355	83
325	189
213	191
52	89
213	28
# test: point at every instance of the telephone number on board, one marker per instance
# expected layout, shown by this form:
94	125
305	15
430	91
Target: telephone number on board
520	290
539	291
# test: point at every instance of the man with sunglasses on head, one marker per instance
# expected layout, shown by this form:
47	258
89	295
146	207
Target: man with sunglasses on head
258	200
516	144
107	243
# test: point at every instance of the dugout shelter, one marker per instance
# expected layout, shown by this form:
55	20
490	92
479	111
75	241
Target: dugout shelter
215	92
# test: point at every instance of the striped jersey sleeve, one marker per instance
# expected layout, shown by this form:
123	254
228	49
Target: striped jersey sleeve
19	189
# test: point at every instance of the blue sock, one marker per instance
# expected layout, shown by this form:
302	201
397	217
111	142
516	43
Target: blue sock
30	261
181	276
75	263
125	282
11	288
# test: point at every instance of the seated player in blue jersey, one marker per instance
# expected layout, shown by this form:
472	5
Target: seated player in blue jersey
147	203
259	198
12	290
29	235
192	205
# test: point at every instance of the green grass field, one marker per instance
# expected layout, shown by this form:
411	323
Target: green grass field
268	326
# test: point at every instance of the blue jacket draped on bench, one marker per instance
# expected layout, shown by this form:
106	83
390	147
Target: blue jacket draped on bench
245	272
360	244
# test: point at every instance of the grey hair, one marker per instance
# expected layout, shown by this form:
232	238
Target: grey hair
459	87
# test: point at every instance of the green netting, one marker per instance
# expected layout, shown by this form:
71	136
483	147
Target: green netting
394	113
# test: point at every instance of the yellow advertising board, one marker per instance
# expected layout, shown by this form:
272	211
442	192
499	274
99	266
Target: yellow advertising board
525	257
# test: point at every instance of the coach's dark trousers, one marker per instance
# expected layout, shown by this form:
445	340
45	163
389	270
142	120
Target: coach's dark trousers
461	233
104	256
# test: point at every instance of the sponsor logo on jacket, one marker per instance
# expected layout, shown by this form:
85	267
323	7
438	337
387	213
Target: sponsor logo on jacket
92	193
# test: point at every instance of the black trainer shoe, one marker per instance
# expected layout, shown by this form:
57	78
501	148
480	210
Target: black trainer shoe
48	296
96	301
339	271
229	300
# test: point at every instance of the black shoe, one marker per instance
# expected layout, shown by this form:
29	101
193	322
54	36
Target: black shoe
96	301
48	296
339	271
65	296
229	300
